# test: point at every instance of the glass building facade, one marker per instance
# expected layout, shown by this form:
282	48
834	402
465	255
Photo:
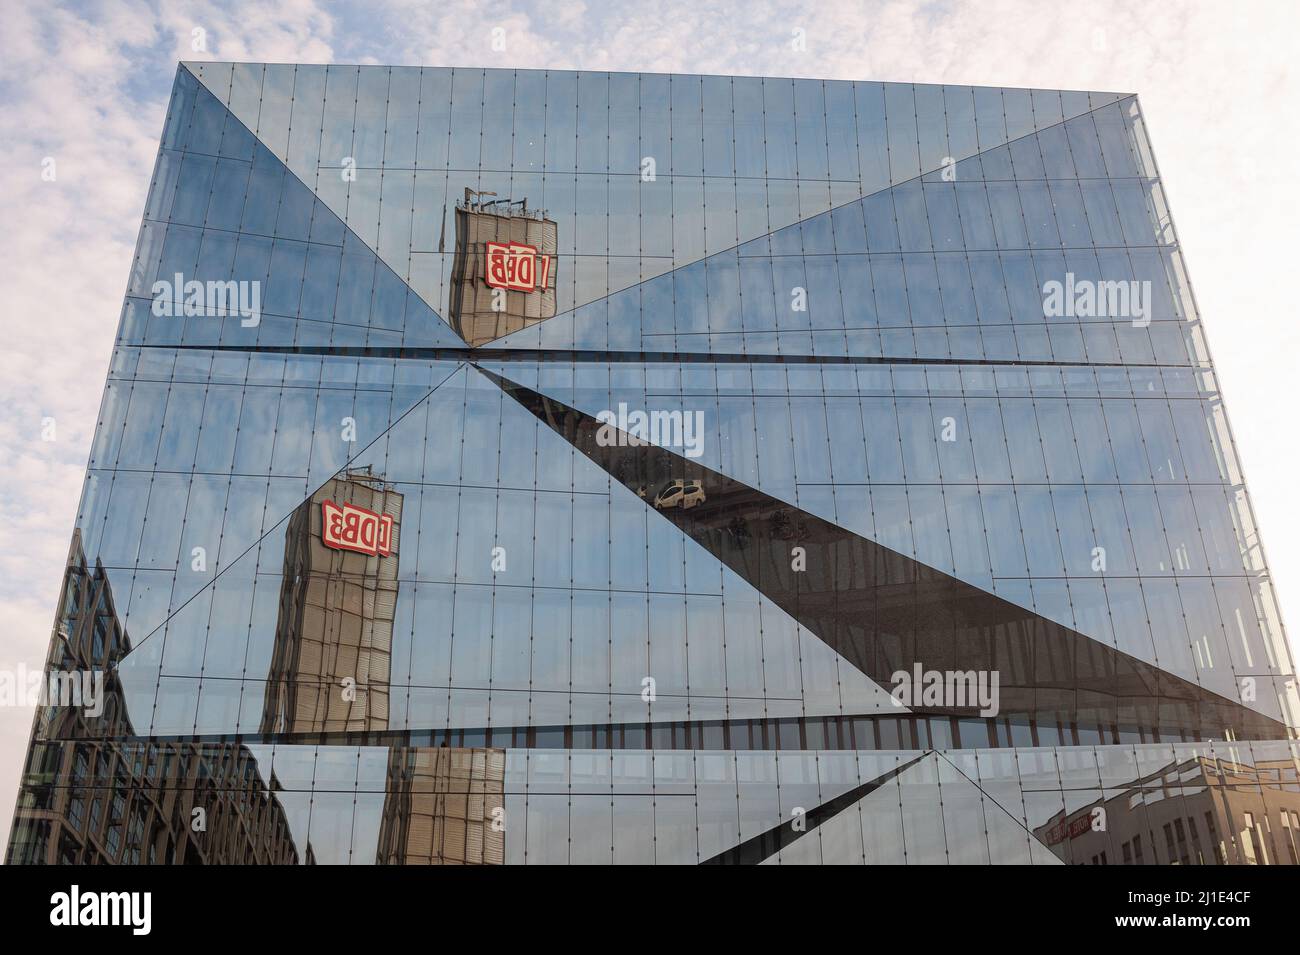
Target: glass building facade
525	466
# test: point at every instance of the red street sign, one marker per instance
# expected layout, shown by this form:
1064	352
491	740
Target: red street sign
356	528
516	266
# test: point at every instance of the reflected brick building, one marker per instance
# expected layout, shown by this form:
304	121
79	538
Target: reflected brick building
90	797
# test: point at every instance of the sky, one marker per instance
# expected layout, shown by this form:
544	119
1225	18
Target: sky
84	86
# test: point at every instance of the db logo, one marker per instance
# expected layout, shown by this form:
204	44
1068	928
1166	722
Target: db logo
516	266
356	528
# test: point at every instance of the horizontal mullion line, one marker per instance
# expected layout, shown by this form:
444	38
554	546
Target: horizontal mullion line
591	356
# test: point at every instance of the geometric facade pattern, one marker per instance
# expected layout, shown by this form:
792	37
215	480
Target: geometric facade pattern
828	472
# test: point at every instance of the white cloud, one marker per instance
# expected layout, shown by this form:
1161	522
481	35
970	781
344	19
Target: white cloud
90	92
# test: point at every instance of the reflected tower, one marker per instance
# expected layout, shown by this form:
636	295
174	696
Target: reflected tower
444	806
504	273
334	634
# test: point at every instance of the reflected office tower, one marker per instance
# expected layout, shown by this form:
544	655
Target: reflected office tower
868	458
444	806
503	275
94	793
334	635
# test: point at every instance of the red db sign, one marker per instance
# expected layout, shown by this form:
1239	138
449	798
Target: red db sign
516	266
349	527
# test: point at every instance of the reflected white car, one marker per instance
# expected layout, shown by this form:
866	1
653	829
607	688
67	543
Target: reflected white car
680	493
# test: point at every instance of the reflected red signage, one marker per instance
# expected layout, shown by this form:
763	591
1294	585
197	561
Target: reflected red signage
1068	830
350	527
516	266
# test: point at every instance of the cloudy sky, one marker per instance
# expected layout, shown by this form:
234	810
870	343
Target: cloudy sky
86	84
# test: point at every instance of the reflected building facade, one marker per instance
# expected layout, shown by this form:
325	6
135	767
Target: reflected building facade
334	636
444	806
1200	811
834	472
502	278
92	795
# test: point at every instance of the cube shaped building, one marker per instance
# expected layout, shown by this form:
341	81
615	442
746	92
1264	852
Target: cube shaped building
833	472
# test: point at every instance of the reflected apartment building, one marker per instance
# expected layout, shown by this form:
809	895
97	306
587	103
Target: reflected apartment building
1200	811
672	523
93	793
